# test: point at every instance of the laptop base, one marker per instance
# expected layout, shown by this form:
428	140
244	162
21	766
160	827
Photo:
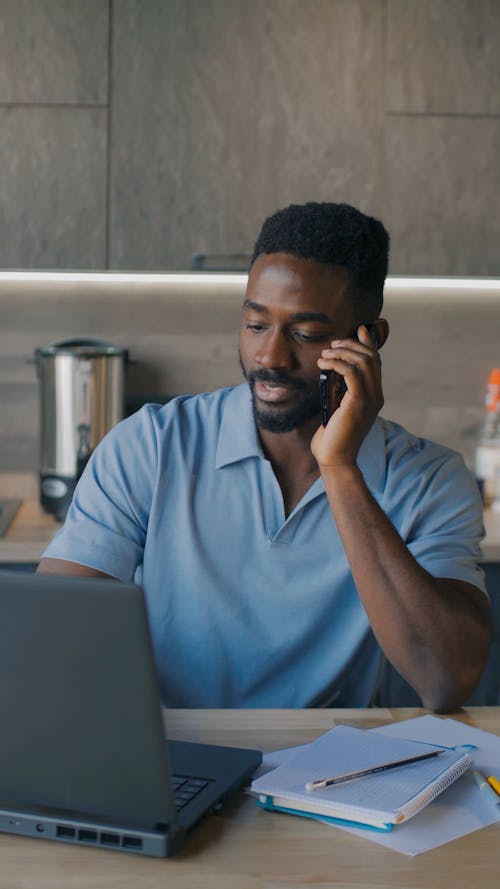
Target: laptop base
82	743
158	843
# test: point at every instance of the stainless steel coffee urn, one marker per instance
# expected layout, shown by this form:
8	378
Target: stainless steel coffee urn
81	398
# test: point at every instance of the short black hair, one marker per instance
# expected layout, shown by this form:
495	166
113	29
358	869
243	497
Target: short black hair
337	234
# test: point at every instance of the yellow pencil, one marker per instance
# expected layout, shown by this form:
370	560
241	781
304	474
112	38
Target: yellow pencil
495	783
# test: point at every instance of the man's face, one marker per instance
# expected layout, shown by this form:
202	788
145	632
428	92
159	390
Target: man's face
292	310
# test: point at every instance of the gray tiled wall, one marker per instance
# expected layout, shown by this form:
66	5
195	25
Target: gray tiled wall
53	187
136	133
443	190
54	51
443	57
250	106
53	133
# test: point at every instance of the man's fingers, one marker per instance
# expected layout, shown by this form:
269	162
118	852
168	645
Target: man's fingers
348	357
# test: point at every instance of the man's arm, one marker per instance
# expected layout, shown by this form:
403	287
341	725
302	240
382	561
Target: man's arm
62	566
435	631
106	523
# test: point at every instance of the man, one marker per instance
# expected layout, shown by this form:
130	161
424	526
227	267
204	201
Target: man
276	554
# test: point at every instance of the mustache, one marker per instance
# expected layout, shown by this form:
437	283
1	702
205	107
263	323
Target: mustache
275	378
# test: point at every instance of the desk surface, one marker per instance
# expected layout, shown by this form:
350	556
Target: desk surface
247	848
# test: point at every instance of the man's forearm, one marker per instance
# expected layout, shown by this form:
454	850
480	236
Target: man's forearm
434	631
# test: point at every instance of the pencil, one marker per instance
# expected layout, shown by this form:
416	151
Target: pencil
360	773
484	786
495	783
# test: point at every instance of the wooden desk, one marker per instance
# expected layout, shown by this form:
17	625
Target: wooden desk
247	848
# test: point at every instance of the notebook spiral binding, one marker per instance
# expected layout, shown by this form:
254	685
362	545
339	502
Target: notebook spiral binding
430	793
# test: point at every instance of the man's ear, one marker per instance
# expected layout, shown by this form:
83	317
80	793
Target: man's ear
379	330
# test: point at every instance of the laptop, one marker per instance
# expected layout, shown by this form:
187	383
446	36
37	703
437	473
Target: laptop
82	741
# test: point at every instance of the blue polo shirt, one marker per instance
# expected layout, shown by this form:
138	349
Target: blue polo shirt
249	608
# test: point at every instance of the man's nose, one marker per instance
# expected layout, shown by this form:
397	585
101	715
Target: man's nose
275	351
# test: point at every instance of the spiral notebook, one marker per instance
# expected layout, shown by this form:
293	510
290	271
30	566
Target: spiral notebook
380	800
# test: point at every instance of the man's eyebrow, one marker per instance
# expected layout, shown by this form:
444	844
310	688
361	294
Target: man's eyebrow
312	316
299	316
257	307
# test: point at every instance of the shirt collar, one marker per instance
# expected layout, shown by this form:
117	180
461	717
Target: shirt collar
238	439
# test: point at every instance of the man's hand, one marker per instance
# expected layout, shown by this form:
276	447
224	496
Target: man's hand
434	630
358	362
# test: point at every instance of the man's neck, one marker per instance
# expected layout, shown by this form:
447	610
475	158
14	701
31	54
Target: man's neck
280	447
293	463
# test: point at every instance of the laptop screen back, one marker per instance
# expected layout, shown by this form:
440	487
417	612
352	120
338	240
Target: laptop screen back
79	699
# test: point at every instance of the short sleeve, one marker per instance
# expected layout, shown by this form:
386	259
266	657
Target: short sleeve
448	528
106	524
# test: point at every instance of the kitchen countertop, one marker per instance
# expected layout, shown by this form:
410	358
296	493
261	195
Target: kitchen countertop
32	528
28	534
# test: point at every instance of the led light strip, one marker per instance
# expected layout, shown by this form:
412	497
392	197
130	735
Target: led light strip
444	283
126	277
410	283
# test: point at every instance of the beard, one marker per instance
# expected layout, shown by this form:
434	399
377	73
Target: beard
275	417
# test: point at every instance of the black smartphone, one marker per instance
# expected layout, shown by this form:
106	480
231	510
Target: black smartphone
332	387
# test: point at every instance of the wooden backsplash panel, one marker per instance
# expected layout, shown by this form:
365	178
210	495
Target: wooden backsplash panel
183	337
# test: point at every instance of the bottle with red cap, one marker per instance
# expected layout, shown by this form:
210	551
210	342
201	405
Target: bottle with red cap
488	447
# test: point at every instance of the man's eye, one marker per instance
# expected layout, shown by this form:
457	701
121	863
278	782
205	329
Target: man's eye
255	326
303	337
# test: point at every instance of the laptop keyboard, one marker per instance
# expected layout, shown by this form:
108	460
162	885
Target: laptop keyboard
186	788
